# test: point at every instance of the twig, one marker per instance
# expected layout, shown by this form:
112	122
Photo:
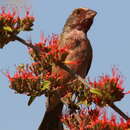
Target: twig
73	73
30	45
114	107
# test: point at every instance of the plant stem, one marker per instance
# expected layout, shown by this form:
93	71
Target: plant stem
122	114
25	42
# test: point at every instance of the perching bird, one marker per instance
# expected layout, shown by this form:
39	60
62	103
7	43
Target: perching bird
75	35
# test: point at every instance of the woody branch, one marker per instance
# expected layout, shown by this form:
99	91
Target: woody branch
63	66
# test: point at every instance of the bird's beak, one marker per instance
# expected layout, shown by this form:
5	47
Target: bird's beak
90	14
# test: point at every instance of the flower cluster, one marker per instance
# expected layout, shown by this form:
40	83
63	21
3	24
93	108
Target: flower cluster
49	51
107	89
37	79
24	81
104	91
93	119
10	23
40	78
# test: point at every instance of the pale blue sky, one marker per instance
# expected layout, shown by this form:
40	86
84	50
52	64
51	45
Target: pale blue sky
111	46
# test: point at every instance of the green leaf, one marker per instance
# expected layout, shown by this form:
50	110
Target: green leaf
96	91
32	98
45	85
8	28
83	102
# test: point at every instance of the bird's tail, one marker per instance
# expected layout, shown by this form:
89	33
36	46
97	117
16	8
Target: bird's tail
51	120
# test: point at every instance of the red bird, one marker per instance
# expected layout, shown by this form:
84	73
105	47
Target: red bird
74	36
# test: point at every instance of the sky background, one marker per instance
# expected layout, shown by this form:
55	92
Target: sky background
109	37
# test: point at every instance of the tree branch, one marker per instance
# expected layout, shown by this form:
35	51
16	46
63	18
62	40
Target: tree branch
73	73
122	114
15	37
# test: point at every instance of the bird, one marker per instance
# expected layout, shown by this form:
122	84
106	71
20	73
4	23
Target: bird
74	35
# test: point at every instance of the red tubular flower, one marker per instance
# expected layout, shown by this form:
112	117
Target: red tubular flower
25	82
107	89
93	120
49	51
37	77
11	23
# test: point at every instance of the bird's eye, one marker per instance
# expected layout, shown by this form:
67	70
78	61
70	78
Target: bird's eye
78	12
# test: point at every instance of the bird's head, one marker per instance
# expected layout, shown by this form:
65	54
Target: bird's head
81	19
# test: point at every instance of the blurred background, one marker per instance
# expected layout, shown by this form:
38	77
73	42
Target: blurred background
109	37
